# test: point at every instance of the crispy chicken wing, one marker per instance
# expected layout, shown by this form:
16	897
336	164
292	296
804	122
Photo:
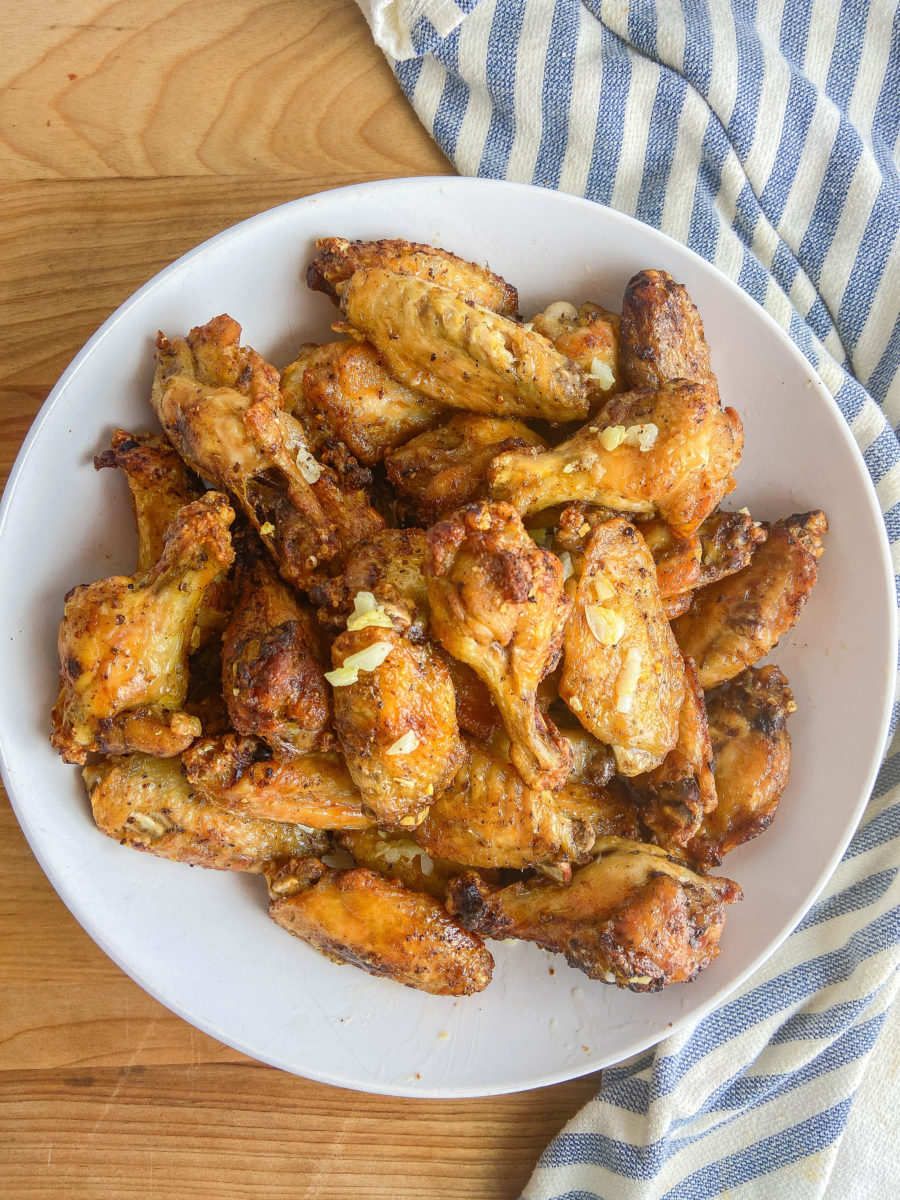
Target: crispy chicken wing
124	642
667	453
461	354
677	795
736	621
727	543
623	675
394	853
240	774
273	677
633	916
498	604
361	917
443	469
661	334
748	727
389	566
589	335
337	259
343	390
147	803
395	718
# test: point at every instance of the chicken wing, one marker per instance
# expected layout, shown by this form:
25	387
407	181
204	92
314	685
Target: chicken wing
443	469
735	622
337	259
667	453
240	774
633	916
589	335
273	677
395	854
748	727
676	796
343	390
395	718
147	803
661	333
461	354
498	604
389	566
623	675
361	917
727	543
124	642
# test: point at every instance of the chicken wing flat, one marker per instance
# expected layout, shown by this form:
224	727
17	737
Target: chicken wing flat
343	390
667	453
589	336
395	854
676	796
633	916
498	604
124	642
727	543
461	354
623	675
240	774
360	917
338	259
273	676
735	622
395	718
388	566
488	817
661	333
443	469
147	803
748	727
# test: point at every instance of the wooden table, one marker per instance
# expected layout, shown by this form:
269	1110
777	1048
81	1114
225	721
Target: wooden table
130	130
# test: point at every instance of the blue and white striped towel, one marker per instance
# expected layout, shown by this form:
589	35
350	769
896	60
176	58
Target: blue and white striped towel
764	135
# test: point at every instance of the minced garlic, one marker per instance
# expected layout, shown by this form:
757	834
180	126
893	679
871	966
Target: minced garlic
605	624
626	683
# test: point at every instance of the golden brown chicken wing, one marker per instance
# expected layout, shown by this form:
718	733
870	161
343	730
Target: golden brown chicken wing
343	390
623	675
461	354
389	567
337	259
667	453
498	604
633	916
124	642
476	713
146	803
241	774
360	917
443	469
273	662
395	854
395	718
735	622
661	333
589	335
727	543
748	727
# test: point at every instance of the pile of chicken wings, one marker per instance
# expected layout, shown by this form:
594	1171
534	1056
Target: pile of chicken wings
442	629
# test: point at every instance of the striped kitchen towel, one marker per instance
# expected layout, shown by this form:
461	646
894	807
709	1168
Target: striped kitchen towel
764	135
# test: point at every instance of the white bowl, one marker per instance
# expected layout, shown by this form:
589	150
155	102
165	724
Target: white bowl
200	941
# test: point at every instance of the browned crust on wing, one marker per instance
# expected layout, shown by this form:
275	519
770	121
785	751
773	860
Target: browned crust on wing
660	334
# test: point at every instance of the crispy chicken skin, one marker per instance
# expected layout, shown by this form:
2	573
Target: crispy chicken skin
681	475
727	543
273	678
661	333
408	696
124	642
343	390
240	774
461	354
147	803
390	566
488	817
623	675
395	854
736	621
337	259
443	469
676	796
748	727
358	916
498	604
589	335
633	916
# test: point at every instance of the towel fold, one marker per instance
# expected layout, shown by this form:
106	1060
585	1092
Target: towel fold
765	137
